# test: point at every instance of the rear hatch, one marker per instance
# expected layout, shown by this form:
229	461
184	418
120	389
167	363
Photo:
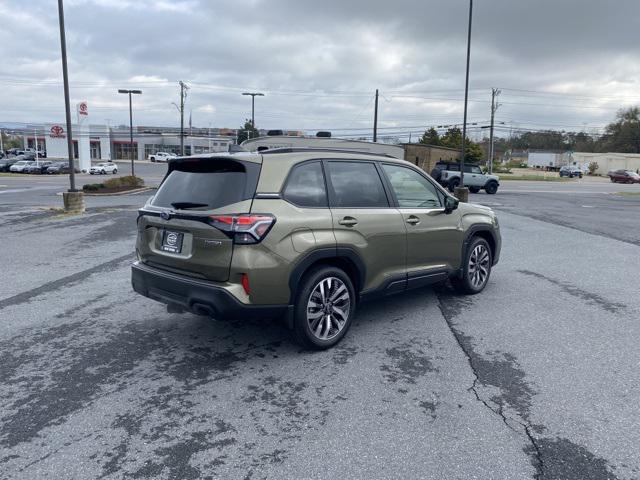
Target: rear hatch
175	230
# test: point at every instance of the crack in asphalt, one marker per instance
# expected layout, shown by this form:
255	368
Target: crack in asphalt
552	458
539	466
579	293
65	281
563	223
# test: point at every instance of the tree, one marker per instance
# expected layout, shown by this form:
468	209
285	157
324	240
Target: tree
10	141
430	137
623	135
453	139
247	131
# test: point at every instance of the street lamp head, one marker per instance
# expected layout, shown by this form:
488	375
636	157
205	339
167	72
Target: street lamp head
123	91
137	92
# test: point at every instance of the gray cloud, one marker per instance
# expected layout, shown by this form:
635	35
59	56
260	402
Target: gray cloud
320	62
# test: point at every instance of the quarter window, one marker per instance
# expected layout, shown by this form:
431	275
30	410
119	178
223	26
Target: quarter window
356	185
305	187
412	189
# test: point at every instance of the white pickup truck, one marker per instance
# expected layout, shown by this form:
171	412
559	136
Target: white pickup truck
161	157
448	175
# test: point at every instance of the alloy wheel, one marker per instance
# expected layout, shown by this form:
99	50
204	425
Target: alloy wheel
328	308
479	266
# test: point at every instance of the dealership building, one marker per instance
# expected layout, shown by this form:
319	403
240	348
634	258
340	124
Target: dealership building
102	142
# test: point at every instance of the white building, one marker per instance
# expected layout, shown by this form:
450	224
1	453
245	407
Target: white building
101	142
608	161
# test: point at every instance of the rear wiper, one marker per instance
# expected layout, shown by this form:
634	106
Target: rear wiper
184	205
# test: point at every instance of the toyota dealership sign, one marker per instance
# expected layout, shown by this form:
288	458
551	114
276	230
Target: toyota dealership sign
57	131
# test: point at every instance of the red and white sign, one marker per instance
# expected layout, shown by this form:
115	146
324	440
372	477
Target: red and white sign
57	132
83	108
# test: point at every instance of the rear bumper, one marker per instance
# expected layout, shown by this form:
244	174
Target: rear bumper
198	296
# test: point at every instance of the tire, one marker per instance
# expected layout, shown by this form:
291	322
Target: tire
473	280
103	172
474	189
90	173
491	187
453	183
309	326
613	180
115	171
152	160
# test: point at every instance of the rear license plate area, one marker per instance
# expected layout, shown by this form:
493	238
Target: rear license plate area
172	241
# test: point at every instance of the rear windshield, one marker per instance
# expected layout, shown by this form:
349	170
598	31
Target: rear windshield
207	184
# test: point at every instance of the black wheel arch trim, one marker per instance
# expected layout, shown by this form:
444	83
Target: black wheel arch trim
471	232
326	253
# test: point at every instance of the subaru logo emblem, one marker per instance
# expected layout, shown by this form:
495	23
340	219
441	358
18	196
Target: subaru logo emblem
165	215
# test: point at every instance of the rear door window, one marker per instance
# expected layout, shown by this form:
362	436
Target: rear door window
305	186
356	185
207	184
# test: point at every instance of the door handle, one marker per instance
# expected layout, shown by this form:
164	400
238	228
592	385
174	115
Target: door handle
348	221
413	220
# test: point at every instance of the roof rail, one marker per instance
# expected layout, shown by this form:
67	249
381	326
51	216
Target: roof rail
323	149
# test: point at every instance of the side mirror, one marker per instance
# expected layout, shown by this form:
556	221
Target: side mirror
450	204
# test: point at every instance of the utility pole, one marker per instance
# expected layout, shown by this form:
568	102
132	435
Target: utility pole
375	120
463	193
1	142
183	96
494	107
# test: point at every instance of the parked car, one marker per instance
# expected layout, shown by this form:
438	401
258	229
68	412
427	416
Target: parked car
161	157
439	167
473	178
20	166
12	152
306	234
104	168
59	167
570	171
5	163
37	167
624	176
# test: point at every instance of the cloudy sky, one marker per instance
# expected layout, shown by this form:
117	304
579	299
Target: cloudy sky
561	64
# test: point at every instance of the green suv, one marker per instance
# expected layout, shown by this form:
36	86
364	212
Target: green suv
306	234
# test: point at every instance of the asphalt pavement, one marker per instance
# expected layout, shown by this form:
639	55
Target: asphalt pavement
537	377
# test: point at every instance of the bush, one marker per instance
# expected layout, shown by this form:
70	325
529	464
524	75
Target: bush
92	187
593	166
516	164
128	181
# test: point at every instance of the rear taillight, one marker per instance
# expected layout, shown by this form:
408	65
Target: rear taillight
244	228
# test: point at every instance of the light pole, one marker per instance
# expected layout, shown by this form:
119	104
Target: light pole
130	92
253	99
461	192
67	103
